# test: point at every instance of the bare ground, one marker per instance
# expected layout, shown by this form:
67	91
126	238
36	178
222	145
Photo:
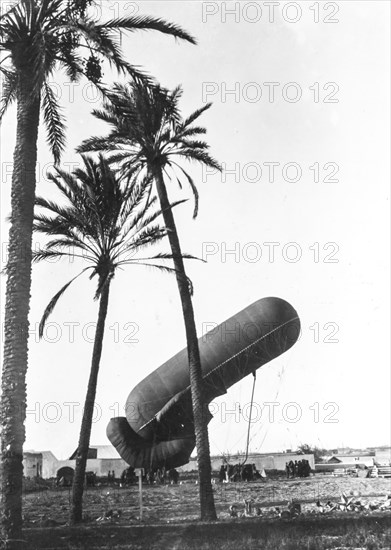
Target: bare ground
170	517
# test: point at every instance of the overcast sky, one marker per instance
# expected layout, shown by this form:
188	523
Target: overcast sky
309	100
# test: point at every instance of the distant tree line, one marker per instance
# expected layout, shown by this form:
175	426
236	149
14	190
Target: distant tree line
318	452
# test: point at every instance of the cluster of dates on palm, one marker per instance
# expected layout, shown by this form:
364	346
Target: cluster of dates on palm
93	69
79	7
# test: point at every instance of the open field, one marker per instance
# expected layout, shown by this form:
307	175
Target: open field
170	517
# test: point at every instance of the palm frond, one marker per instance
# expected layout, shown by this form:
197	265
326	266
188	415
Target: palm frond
54	121
117	157
41	255
67	184
73	66
189	132
196	114
52	304
9	86
56	226
194	144
134	196
166	256
68	244
145	238
164	269
152	217
98	144
148	23
195	193
8	14
68	214
201	156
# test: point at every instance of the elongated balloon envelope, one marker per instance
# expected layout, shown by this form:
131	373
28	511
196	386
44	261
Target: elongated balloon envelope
158	429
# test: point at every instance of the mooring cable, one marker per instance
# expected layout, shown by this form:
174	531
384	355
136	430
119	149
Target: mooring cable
249	420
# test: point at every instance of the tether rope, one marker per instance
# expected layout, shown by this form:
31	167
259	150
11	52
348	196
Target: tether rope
249	420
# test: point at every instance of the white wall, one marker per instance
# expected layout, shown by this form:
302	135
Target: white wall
100	466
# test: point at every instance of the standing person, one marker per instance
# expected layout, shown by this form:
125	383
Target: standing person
158	476
122	478
222	473
173	476
287	469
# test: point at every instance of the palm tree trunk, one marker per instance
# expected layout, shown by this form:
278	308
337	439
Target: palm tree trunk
208	511
76	513
17	306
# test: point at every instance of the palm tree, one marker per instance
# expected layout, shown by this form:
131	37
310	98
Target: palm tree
37	38
105	223
150	136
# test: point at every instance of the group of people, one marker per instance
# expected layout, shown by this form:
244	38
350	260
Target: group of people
128	477
90	479
298	468
111	476
239	472
159	476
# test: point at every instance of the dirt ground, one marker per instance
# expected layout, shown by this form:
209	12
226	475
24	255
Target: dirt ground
164	503
170	516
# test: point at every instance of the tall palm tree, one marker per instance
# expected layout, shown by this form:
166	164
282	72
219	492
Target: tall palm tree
105	223
150	136
38	37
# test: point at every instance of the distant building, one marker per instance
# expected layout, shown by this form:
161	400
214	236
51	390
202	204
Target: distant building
382	455
32	464
101	460
351	460
49	464
262	461
39	464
